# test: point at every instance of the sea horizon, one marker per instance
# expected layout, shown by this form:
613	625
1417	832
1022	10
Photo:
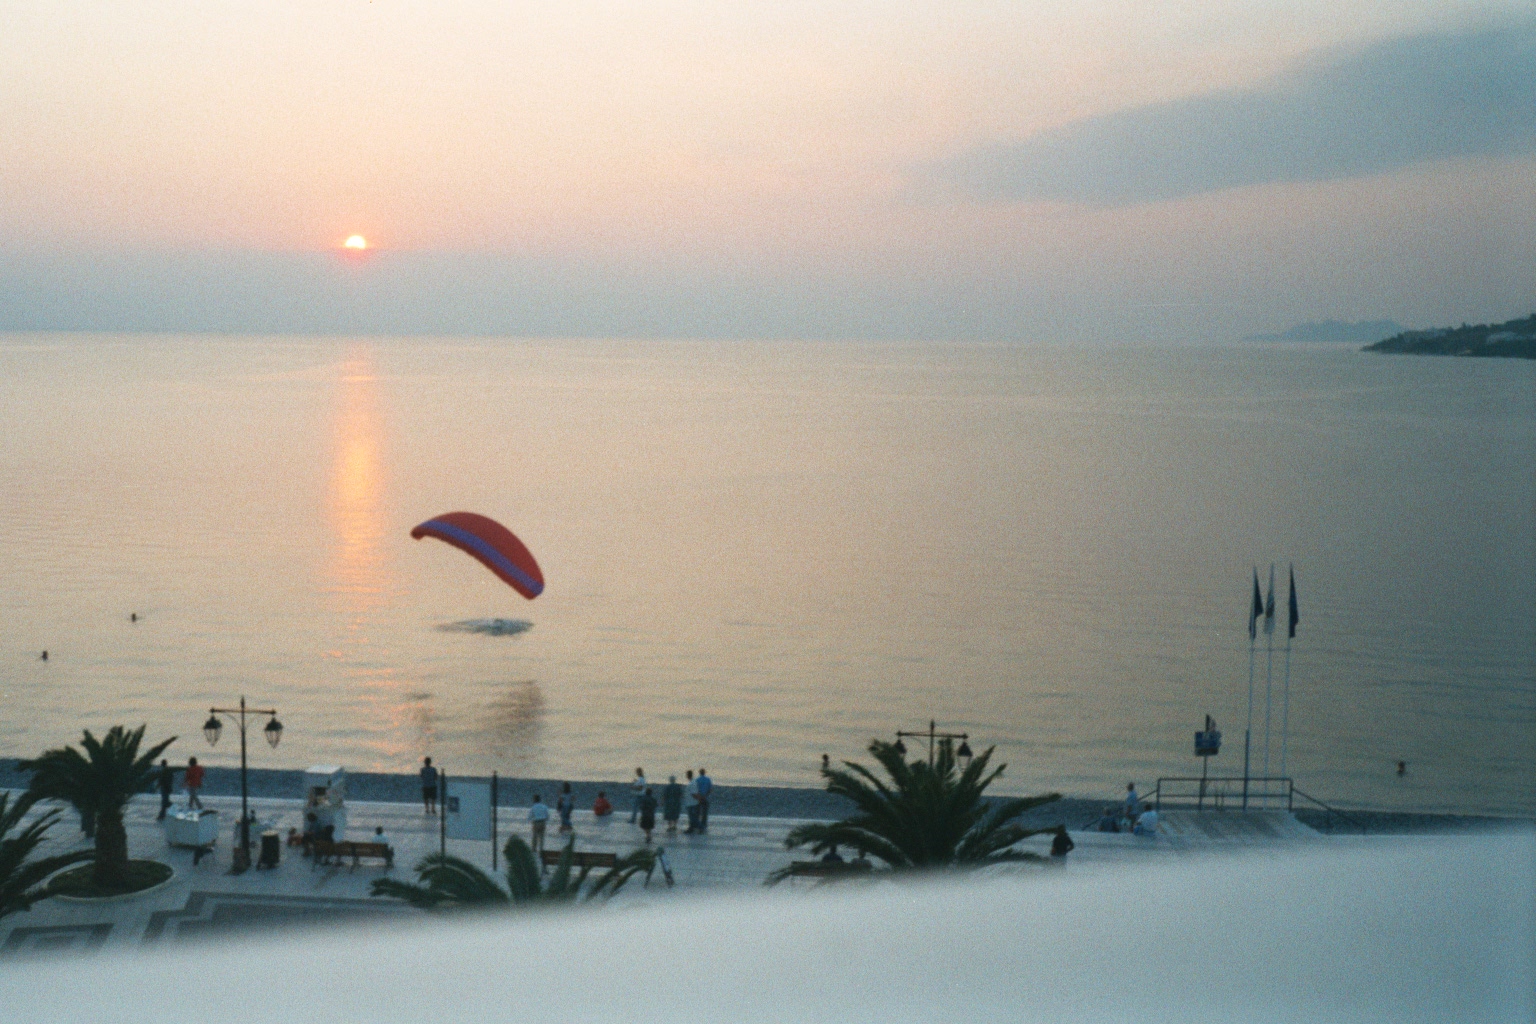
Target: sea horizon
761	551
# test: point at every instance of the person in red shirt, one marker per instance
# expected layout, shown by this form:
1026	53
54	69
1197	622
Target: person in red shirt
601	807
194	782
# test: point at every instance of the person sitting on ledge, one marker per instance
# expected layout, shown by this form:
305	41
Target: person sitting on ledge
601	807
1109	820
1146	823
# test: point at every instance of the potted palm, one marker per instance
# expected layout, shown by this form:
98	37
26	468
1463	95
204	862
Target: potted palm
924	815
99	783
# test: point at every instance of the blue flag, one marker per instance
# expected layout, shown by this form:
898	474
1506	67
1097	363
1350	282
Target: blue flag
1295	615
1269	604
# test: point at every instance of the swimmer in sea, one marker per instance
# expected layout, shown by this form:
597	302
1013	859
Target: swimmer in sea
45	656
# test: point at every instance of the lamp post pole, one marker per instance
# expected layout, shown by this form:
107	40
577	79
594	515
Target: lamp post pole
274	732
933	735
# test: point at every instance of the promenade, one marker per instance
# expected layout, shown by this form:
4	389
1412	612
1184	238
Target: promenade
736	854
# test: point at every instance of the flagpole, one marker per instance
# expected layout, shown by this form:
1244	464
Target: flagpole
1248	732
1269	665
1285	716
1292	617
1255	609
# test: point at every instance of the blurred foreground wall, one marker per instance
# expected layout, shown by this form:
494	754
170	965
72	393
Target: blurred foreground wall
1423	929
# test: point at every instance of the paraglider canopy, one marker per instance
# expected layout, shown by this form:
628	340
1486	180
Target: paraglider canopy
490	542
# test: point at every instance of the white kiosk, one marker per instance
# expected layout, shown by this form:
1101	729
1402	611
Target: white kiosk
325	796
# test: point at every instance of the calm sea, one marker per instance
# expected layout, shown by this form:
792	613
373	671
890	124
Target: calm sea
757	553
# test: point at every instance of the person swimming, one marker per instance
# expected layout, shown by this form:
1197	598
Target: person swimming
44	656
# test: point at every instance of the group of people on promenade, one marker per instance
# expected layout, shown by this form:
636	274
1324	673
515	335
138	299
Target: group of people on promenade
691	796
191	781
1130	816
644	802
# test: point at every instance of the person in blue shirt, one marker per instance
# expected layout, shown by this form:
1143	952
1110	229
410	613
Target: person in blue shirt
706	784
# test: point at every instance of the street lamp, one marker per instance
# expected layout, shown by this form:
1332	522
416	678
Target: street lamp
274	732
963	754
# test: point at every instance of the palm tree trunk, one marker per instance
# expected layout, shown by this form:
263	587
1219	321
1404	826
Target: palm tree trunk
111	870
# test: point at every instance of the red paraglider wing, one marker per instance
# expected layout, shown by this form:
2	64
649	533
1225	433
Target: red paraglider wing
490	542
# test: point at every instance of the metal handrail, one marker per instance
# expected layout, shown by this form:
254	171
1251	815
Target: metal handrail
1331	811
1218	789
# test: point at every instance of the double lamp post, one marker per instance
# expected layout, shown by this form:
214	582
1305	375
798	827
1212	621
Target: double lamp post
273	731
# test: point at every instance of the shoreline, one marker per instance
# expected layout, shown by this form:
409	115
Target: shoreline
1075	812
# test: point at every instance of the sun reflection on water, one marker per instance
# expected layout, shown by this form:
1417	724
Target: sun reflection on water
359	569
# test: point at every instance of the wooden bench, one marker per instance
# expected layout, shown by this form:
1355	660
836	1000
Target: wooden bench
829	869
581	859
327	852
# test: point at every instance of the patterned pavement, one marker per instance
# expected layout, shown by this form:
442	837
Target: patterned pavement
203	900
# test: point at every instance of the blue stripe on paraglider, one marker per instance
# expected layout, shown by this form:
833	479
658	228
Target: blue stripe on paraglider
491	555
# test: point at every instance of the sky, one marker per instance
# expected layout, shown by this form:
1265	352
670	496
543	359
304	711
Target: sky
1054	170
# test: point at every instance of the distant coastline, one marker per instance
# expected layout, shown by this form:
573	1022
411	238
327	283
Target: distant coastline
1513	339
1353	332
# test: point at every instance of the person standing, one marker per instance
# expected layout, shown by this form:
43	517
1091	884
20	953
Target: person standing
706	786
428	785
637	788
693	803
1132	801
538	818
1061	845
672	804
166	783
193	780
565	803
647	812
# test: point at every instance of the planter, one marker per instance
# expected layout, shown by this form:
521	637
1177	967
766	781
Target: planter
144	866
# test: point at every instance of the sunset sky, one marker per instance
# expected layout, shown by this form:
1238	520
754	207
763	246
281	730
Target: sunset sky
1051	170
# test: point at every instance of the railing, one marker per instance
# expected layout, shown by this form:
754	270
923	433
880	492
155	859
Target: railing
1224	792
1332	812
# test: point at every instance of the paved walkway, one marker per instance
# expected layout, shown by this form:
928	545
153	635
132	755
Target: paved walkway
737	852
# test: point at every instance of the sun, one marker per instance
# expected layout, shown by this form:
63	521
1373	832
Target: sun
356	242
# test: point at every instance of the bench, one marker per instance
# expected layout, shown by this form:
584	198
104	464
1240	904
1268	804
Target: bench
829	869
328	852
585	859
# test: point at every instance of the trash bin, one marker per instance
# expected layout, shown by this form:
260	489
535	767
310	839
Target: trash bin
271	849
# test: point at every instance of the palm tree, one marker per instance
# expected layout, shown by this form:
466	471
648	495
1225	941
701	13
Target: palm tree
99	784
450	883
21	879
928	816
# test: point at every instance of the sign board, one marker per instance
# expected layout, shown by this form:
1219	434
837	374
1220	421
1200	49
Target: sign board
1208	743
468	807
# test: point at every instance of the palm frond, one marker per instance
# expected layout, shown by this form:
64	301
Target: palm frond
922	814
21	880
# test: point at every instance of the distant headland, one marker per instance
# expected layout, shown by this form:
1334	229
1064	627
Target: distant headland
1513	339
1352	332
